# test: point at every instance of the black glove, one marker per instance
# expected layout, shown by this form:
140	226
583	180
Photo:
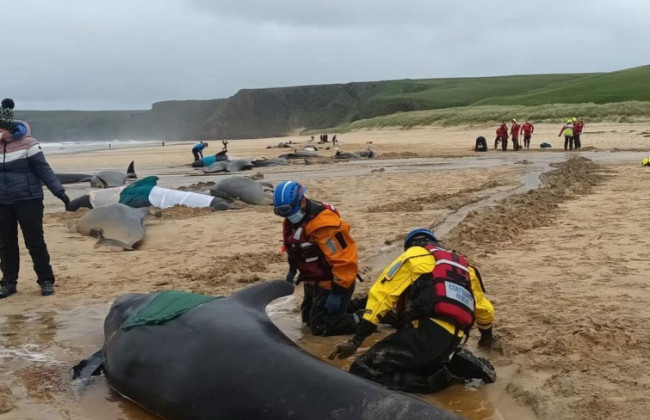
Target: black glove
66	200
344	349
347	348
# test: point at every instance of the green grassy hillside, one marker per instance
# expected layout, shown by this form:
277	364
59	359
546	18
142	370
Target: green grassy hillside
557	113
272	112
447	93
619	86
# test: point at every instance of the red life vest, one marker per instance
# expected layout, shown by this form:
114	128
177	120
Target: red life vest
577	127
307	256
445	293
527	128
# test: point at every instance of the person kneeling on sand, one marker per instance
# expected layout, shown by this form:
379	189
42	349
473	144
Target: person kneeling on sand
481	144
320	248
437	297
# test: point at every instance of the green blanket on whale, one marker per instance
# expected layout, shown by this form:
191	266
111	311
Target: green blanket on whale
165	307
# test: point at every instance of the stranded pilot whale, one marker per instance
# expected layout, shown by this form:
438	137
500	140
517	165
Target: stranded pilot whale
225	359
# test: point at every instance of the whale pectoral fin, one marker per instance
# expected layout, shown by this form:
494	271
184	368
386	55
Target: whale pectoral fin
260	295
113	242
91	366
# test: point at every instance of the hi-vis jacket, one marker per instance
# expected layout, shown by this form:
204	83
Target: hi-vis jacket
321	247
403	272
567	130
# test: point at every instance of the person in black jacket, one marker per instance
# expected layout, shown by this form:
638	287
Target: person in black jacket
23	171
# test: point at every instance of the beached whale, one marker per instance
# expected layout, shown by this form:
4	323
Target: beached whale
229	166
109	179
223	359
299	154
368	154
270	162
244	189
115	225
102	179
72	178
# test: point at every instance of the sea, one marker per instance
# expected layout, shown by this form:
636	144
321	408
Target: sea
67	147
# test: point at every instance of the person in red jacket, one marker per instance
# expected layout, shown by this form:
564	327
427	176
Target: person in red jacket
502	136
578	126
514	133
527	130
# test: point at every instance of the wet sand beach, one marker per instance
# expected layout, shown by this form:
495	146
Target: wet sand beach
560	239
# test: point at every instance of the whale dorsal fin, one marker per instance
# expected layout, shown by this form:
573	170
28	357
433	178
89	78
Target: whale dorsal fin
260	295
130	171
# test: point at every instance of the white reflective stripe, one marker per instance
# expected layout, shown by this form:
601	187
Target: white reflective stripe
296	235
454	263
35	149
311	259
14	156
331	245
284	188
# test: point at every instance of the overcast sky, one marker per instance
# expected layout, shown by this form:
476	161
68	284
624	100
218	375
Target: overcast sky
127	54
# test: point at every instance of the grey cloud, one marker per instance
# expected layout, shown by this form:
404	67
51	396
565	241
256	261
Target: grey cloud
78	54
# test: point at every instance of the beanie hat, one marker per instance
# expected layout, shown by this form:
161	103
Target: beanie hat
8	103
7	115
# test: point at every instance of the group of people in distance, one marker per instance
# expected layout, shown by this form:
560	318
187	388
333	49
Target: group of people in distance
571	131
516	130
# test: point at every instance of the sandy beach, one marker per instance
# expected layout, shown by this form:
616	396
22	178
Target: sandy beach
563	262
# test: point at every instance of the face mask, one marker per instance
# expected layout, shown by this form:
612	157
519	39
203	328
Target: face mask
295	218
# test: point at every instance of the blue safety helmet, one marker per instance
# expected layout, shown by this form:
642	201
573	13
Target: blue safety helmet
287	197
418	233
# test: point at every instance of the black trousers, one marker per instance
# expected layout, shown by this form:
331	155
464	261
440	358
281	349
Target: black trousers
576	140
319	321
568	142
515	144
411	359
527	141
29	214
198	154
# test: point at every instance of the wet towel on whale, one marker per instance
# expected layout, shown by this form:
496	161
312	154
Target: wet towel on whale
165	307
144	193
